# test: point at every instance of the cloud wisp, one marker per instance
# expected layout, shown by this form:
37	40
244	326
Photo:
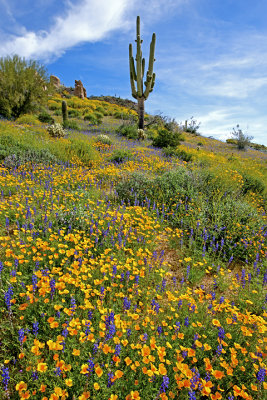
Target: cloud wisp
86	21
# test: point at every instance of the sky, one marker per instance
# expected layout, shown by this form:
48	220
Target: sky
211	55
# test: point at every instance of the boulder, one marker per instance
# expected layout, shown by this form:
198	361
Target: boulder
54	80
79	90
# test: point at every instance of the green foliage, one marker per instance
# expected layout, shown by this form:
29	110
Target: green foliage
67	124
81	148
252	184
181	154
28	119
104	139
192	126
46	118
128	131
56	130
120	155
135	187
99	116
24	86
74	113
166	138
91	118
241	138
14	153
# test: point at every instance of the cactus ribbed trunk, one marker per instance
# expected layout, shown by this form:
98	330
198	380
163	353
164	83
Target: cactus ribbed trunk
141	112
140	89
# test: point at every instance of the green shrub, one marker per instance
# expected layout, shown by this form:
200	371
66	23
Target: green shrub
119	156
252	184
135	187
99	116
104	139
162	189
100	109
71	125
56	131
74	114
81	149
22	86
46	118
91	118
28	119
166	138
129	131
35	156
181	154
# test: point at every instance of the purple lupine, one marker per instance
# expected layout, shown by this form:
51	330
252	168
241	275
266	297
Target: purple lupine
126	304
5	377
221	333
21	334
35	376
192	395
52	285
35	327
165	384
186	321
8	296
34	282
261	375
117	350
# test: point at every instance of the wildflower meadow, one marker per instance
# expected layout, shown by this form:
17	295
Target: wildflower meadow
127	273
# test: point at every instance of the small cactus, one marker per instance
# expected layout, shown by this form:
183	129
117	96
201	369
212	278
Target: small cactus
64	111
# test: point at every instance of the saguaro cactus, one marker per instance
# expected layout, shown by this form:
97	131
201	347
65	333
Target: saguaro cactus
64	111
137	73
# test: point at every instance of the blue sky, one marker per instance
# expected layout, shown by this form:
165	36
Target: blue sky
211	55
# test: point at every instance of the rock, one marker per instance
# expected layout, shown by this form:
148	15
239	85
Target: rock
55	81
79	90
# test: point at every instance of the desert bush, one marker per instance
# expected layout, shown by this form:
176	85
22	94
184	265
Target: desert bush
91	118
99	116
129	131
56	131
22	86
181	154
46	118
74	114
81	149
192	126
252	184
34	156
242	139
71	125
135	188
166	138
120	155
28	119
104	139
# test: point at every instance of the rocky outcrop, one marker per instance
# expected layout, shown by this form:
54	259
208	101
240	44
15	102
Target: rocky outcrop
79	90
54	80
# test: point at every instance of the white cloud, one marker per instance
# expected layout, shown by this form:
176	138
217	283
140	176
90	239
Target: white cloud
88	20
84	21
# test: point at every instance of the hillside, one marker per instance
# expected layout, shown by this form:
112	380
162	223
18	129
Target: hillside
129	271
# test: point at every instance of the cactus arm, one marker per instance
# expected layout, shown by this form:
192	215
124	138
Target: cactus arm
143	67
132	72
149	77
138	60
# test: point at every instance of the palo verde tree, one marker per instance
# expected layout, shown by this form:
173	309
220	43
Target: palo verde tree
24	86
137	73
